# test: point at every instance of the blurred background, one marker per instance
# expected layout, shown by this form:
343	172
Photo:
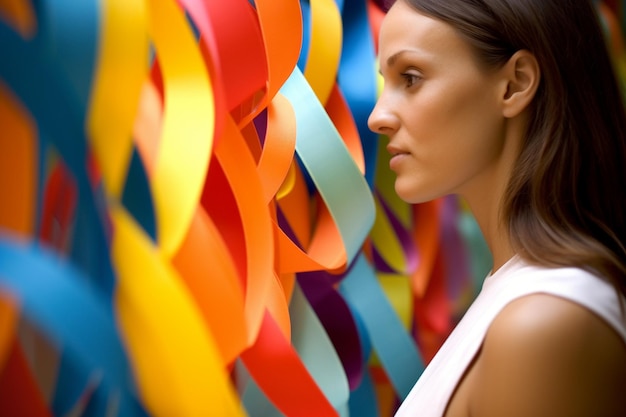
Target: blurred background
195	219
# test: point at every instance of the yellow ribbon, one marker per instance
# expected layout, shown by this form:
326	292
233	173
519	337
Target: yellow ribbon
325	48
178	366
121	70
188	123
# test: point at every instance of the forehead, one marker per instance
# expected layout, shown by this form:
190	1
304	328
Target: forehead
405	29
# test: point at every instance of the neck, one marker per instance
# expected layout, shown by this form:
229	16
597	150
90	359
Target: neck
494	232
485	196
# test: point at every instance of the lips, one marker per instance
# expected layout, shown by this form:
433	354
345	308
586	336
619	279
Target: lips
395	151
397	155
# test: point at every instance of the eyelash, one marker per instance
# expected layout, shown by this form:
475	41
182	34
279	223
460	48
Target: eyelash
410	79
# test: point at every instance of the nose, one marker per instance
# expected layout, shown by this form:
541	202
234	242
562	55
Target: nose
382	120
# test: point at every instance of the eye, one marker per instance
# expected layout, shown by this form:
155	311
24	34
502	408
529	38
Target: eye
410	79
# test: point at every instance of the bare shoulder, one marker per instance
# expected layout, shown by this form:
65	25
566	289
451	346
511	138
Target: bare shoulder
547	356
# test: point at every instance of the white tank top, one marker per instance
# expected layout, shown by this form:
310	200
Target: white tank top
432	392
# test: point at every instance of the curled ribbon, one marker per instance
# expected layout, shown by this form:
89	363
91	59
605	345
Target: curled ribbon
196	220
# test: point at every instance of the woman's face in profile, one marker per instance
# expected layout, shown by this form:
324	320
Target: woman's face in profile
440	110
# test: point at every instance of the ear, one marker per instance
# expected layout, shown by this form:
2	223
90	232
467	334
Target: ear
522	77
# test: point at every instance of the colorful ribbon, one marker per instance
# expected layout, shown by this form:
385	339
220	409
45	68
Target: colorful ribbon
196	220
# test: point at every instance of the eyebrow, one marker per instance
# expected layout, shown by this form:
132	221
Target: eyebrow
393	58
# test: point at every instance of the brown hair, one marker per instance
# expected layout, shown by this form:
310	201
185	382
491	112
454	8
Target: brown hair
566	200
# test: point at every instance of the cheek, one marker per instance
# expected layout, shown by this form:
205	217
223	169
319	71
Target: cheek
467	120
453	140
442	126
470	138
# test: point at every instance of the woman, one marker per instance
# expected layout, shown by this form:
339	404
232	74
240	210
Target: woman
514	106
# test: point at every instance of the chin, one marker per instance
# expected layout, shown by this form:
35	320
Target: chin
412	195
412	198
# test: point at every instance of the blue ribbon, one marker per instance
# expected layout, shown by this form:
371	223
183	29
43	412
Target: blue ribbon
137	197
68	35
55	106
326	159
56	298
396	350
52	75
363	400
305	9
357	77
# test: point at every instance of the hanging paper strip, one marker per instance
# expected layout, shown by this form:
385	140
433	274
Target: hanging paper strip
195	219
